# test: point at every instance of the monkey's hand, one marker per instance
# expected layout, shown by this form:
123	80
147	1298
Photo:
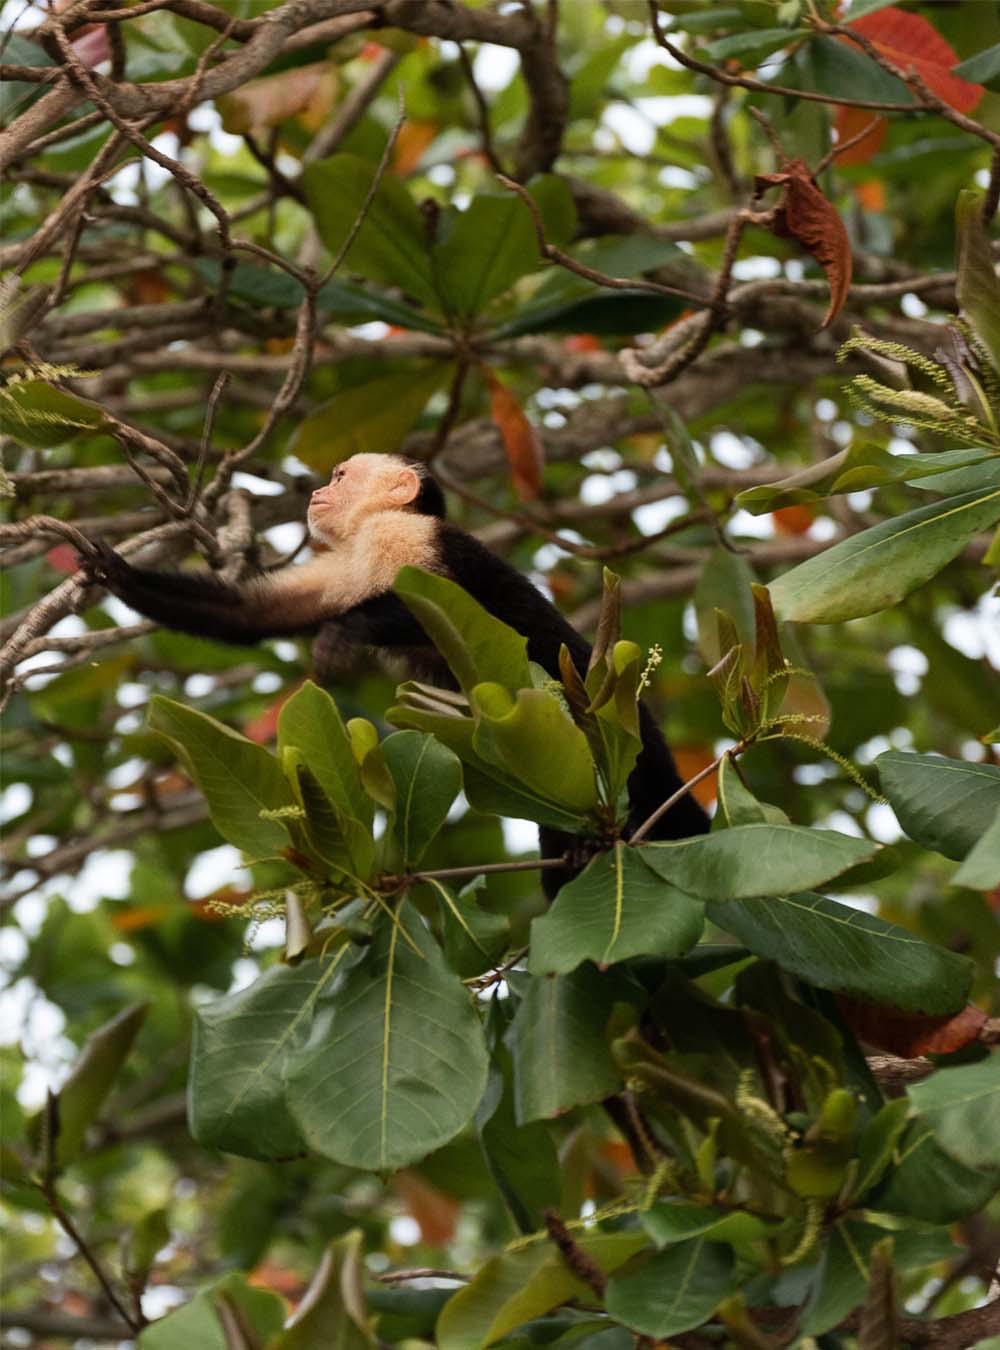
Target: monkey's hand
103	565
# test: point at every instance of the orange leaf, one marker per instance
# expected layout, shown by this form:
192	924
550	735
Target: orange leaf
871	194
582	342
412	141
793	519
849	122
139	916
264	727
525	451
691	759
435	1212
307	92
910	42
912	1034
806	215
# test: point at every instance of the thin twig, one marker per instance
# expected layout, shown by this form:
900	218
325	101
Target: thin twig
681	792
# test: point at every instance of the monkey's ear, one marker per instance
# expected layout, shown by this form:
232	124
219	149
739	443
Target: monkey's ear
405	487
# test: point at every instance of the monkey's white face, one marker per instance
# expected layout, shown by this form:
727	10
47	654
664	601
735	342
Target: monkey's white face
360	486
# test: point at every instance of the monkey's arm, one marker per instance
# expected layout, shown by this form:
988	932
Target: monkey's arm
205	605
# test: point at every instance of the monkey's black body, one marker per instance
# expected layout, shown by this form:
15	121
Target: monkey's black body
203	604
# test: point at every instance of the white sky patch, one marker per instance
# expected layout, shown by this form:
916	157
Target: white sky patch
222	866
519	836
262	487
753	527
634	131
753	269
495	67
14	801
652	517
976	633
731	450
882	823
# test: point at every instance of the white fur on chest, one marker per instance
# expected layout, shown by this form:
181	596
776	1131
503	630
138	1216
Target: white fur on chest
366	564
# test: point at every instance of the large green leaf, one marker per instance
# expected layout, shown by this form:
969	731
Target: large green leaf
239	1056
977	286
396	1062
198	1326
861	466
532	739
371	417
92	1077
428	777
391	243
311	721
332	1311
558	1041
963	1107
981	869
927	1183
944	804
844	949
674	1290
476	645
875	569
751	860
474	939
670	1221
616	908
842	1278
518	1286
239	779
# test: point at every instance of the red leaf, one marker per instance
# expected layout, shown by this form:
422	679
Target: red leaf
912	1034
63	558
806	215
910	42
849	122
522	442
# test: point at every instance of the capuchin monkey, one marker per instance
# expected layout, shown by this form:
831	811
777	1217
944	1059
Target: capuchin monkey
378	513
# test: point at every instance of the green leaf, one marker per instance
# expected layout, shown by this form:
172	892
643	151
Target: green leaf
752	860
395	1064
473	938
861	466
533	740
345	844
617	907
492	792
848	951
493	242
37	414
268	288
141	1243
671	1221
752	46
197	1325
927	1183
332	1311
981	869
239	1057
374	416
944	804
476	646
428	777
982	68
92	1077
724	585
616	313
674	1290
977	286
558	1041
877	1144
522	1159
835	66
518	1286
391	243
962	1105
239	779
875	569
311	721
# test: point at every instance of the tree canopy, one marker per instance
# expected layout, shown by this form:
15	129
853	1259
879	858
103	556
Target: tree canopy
693	310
